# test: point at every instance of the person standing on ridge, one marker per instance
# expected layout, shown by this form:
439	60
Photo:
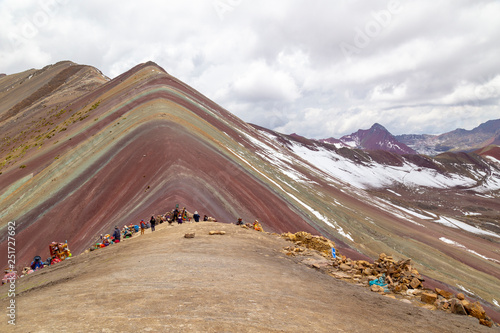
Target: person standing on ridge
143	226
176	214
117	234
153	222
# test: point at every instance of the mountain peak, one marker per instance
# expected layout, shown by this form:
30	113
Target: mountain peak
377	126
376	138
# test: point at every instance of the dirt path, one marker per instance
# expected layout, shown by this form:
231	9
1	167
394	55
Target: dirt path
237	282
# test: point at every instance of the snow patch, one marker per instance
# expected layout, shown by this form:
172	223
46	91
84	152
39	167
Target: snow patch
465	290
452	223
393	192
460	246
374	175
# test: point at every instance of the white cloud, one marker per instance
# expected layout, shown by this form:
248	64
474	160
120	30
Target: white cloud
425	67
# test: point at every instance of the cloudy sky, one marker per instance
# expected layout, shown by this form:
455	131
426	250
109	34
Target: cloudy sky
318	68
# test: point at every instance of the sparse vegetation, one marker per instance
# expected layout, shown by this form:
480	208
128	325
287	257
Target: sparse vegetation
93	107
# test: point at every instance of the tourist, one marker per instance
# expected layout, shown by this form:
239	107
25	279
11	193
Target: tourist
196	217
153	223
9	276
176	214
143	226
239	222
184	214
117	234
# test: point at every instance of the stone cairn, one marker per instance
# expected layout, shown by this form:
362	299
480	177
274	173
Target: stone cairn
399	279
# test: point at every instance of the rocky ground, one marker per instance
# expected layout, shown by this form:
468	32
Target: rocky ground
240	281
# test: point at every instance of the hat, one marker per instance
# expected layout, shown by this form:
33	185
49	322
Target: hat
196	212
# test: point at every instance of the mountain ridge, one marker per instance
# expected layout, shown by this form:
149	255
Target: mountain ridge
239	281
96	153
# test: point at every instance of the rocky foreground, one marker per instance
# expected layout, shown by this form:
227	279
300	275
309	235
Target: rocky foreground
237	281
386	276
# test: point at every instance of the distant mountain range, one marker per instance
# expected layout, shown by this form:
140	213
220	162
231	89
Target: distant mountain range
459	140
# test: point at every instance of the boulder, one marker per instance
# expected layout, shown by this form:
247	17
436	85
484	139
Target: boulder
189	235
475	310
364	263
218	232
460	296
444	293
413	292
428	297
457	307
345	267
340	275
377	289
486	322
415	283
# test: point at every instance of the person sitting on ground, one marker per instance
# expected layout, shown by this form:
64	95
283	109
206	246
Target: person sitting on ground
168	218
9	276
196	216
205	218
179	219
143	226
36	263
257	226
106	241
239	222
48	262
117	234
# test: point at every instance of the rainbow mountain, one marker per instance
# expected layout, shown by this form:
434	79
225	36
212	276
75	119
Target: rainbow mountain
81	153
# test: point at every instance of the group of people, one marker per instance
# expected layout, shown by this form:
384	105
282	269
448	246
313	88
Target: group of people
58	253
175	215
256	225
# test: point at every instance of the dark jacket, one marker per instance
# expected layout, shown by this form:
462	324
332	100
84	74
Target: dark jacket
117	234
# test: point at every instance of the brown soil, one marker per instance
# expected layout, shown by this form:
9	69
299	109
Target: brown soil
237	282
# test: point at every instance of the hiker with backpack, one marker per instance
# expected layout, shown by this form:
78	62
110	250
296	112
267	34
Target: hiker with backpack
152	222
143	226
